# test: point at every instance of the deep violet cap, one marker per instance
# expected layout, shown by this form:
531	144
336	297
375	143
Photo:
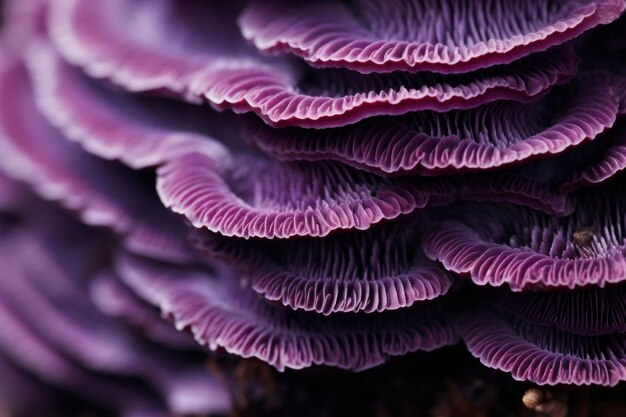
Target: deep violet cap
586	311
319	243
380	269
419	35
493	135
97	37
543	354
220	312
525	249
103	193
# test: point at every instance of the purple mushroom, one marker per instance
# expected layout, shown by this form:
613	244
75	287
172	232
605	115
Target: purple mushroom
280	91
419	35
544	354
525	249
493	135
590	311
51	329
408	174
557	337
221	312
380	269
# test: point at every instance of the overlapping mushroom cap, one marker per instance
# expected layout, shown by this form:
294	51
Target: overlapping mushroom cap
553	337
52	330
420	35
505	244
381	269
395	154
221	312
493	135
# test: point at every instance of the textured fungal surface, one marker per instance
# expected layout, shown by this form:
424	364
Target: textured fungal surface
282	92
419	35
595	163
588	312
546	355
380	269
247	193
524	248
492	135
222	313
298	96
422	202
60	171
123	40
253	196
61	337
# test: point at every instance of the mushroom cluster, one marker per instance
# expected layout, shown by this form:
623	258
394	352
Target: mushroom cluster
331	182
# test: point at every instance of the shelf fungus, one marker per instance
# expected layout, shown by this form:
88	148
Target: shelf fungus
527	249
562	337
192	189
